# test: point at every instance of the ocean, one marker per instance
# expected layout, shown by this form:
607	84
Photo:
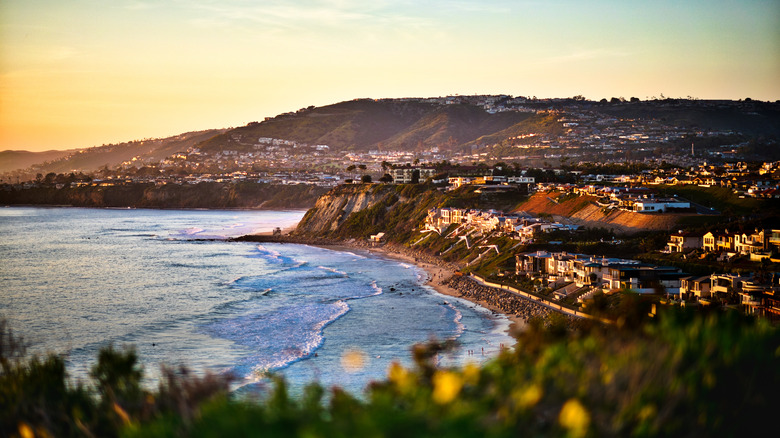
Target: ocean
166	282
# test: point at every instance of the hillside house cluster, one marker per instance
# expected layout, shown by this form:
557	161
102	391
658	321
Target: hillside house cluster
497	181
407	175
461	177
757	296
744	179
758	244
636	199
598	272
472	222
557	269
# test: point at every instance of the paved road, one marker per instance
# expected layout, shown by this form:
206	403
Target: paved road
701	209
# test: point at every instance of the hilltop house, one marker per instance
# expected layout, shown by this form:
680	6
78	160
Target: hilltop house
758	244
724	241
407	175
682	241
644	278
726	283
708	242
658	205
585	270
695	286
749	243
772	240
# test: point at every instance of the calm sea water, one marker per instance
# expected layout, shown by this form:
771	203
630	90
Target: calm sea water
74	280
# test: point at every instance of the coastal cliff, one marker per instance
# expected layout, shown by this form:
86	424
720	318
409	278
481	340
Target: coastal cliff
202	195
333	208
359	210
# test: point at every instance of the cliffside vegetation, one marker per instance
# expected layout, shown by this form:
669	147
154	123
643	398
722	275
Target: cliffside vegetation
202	195
396	210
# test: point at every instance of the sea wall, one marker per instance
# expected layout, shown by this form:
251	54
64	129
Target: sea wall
505	301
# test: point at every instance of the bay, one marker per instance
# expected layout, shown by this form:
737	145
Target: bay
166	282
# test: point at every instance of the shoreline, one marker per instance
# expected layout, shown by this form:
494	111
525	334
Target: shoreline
131	207
438	276
438	273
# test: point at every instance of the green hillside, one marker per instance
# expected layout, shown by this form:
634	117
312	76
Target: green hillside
356	124
366	124
91	159
539	123
416	124
752	118
453	125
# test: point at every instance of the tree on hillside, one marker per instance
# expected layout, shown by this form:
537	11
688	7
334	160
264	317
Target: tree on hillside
366	179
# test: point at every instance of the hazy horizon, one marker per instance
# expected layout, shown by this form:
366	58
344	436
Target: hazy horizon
86	73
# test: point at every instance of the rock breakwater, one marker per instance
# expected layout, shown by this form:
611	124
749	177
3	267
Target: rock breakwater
505	301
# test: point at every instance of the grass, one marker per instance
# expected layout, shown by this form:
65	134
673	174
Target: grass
722	199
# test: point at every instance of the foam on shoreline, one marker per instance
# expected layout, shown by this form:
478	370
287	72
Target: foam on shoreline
437	272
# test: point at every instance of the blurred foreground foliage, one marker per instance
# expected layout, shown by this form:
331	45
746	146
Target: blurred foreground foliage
680	374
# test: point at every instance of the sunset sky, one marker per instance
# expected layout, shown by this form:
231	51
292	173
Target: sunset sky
82	73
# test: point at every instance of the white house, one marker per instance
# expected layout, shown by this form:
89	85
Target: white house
658	205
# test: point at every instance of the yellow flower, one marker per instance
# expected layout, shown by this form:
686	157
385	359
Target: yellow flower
25	431
574	417
529	396
647	412
446	386
400	376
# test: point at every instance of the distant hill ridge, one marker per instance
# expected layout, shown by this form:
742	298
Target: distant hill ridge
365	124
453	125
12	160
94	158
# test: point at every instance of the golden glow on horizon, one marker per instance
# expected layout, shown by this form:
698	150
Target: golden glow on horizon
85	73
